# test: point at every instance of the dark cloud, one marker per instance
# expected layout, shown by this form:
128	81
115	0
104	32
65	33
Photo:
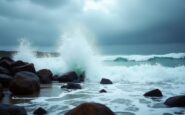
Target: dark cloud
128	22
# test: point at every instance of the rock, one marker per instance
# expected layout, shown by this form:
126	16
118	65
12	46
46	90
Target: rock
18	63
4	70
90	109
72	86
7	58
1	91
6	109
25	83
27	67
105	81
154	93
103	91
45	76
5	80
68	77
5	63
176	101
40	111
82	77
55	78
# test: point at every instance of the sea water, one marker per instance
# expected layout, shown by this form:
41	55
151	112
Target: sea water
132	76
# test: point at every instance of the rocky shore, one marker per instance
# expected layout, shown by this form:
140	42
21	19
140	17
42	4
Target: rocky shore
20	78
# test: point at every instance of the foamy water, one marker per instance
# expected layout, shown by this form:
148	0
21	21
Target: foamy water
131	79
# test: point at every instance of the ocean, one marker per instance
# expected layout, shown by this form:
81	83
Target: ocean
132	76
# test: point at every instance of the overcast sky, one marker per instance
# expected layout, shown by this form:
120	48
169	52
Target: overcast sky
114	22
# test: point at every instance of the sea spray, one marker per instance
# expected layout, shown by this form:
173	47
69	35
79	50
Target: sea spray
76	54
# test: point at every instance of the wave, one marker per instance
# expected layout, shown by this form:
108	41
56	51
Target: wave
125	58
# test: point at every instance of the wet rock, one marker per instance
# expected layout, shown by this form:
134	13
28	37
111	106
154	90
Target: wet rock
40	111
176	101
5	64
90	109
72	86
55	78
1	91
25	83
4	70
105	81
154	93
7	58
5	80
103	91
6	109
18	63
68	77
45	76
82	77
27	67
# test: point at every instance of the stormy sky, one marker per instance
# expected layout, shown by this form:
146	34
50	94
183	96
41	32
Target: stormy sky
114	22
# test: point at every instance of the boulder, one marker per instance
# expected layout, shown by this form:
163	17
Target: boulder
82	77
68	77
7	58
72	86
105	81
25	83
6	109
176	101
1	91
27	67
40	111
90	109
18	63
154	93
103	91
5	80
45	76
4	70
5	63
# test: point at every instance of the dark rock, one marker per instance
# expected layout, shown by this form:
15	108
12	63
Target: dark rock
154	93
105	81
1	91
68	77
18	63
40	111
27	67
72	86
45	76
6	109
103	91
55	78
176	101
7	58
5	80
5	63
90	109
4	70
25	83
82	77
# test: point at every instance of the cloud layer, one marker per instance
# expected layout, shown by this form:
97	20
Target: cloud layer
114	22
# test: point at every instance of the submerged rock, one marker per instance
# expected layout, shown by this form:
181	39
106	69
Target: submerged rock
68	77
45	76
25	83
176	101
5	80
154	93
103	91
27	67
105	81
72	86
6	109
90	109
40	111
